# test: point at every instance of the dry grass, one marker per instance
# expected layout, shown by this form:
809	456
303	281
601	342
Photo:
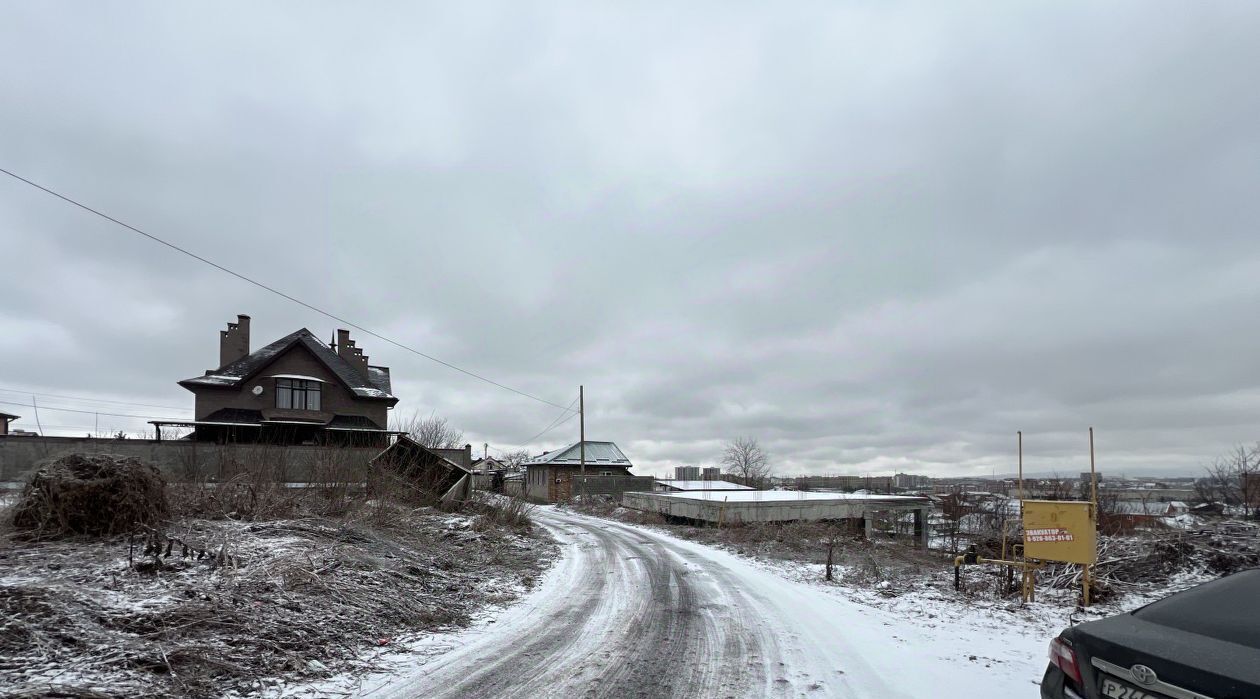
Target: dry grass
252	580
501	511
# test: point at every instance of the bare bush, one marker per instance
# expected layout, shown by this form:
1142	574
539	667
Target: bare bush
96	494
1233	480
433	431
499	511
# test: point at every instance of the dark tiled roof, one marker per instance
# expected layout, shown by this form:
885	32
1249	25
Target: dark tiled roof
9	416
375	386
379	376
353	422
597	454
238	416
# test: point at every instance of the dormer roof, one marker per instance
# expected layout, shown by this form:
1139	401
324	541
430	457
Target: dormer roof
374	386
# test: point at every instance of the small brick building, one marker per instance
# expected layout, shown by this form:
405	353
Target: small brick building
556	476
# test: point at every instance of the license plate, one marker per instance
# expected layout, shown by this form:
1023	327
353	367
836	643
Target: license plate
1117	690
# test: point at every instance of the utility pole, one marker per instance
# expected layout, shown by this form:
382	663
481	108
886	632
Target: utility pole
582	427
582	434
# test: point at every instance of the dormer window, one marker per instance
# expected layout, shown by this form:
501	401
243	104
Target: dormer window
297	394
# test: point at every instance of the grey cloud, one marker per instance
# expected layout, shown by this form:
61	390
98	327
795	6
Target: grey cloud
877	237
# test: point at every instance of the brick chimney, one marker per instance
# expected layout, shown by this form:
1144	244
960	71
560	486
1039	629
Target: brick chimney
353	355
234	342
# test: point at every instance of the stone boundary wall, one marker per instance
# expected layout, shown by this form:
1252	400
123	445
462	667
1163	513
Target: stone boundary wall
195	461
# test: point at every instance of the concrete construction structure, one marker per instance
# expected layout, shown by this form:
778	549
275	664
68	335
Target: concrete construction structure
675	486
557	476
745	506
296	390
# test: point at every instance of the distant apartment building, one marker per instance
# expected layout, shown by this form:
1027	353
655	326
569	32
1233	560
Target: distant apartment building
874	484
911	480
686	473
711	473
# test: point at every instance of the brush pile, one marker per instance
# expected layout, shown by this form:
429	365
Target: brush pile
92	494
1137	563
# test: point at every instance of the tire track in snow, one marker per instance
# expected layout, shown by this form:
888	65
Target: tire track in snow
629	612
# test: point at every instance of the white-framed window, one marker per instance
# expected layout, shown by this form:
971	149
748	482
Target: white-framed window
297	394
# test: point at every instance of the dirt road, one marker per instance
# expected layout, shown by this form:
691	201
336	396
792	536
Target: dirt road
632	613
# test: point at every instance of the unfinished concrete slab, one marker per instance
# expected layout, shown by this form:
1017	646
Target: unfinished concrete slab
745	506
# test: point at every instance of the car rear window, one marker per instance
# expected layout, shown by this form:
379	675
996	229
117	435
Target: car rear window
1227	609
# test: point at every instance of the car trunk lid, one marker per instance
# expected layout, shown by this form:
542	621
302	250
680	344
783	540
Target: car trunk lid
1208	666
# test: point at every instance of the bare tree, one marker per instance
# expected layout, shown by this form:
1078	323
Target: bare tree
515	459
1054	488
1234	480
745	458
432	431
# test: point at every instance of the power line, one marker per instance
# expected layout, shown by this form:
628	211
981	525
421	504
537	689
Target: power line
93	412
554	424
277	292
91	400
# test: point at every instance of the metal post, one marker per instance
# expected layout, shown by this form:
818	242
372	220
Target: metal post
1093	476
1093	513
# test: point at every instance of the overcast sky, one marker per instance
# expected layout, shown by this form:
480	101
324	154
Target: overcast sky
876	236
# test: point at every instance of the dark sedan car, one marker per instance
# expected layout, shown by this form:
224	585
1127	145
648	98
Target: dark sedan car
1203	643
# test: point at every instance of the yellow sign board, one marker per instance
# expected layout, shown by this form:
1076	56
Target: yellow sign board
1060	530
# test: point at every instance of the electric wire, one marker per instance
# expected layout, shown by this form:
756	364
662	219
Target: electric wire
91	400
554	423
277	292
94	412
554	426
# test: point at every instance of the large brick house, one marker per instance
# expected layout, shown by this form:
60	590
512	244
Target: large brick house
296	390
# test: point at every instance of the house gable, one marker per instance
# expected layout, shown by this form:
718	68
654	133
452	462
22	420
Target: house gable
295	362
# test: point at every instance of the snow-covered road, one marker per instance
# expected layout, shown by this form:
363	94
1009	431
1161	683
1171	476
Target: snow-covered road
629	612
